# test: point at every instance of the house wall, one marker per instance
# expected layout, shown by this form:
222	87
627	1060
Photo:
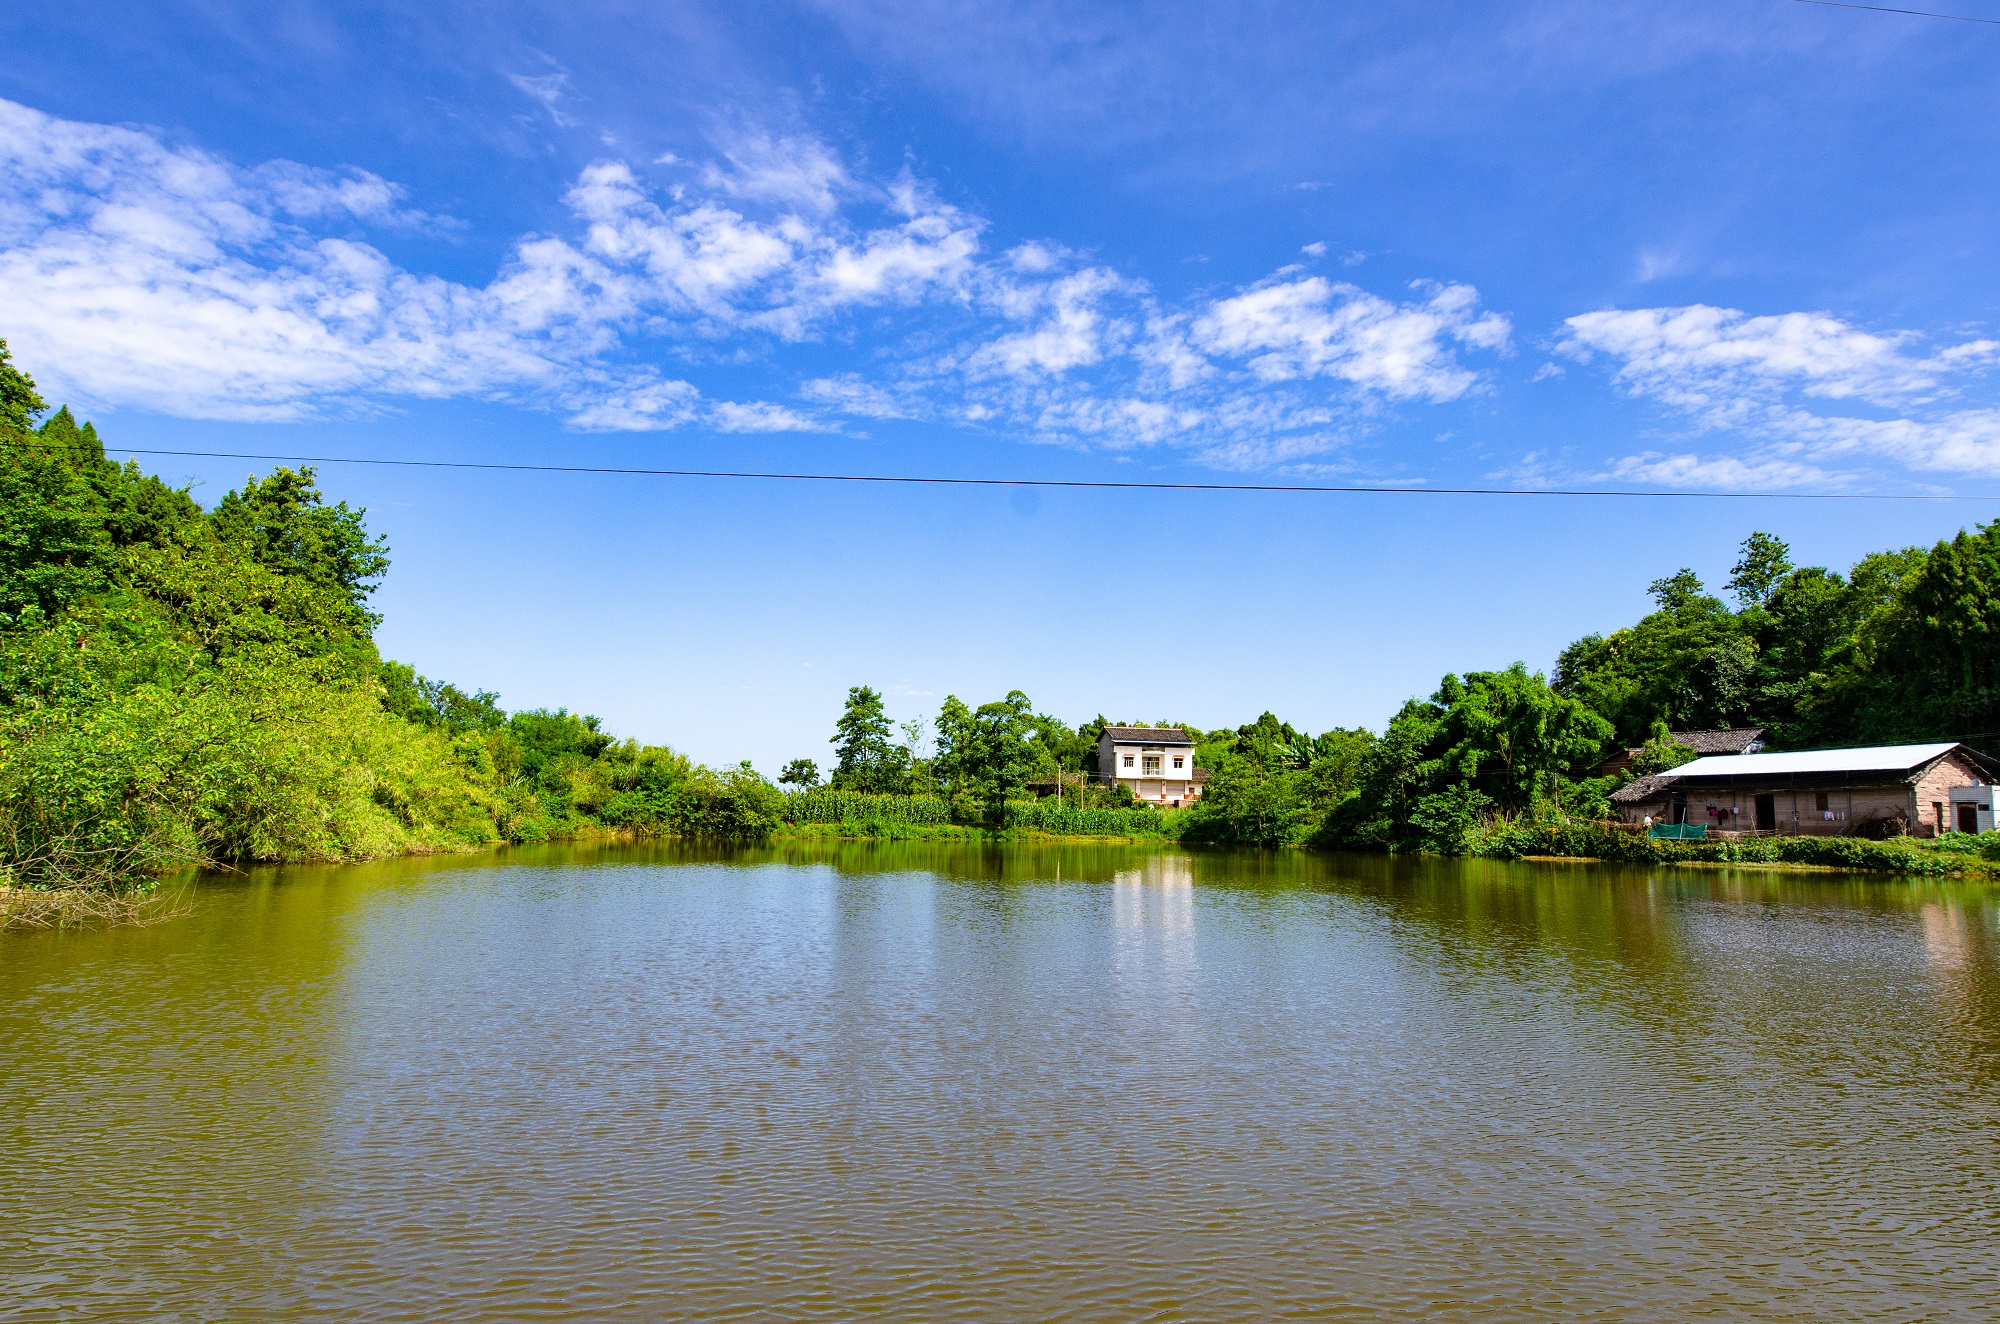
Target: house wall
1982	799
1645	809
1934	788
1798	811
1169	785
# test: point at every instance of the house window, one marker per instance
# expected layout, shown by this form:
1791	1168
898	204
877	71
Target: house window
1128	760
1152	767
1819	801
1177	762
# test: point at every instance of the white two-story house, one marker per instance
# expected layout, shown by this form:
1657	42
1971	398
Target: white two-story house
1157	762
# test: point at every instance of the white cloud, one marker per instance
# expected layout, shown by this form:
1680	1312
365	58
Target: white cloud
1035	258
1311	327
647	402
1073	331
700	259
794	172
1659	264
163	277
1721	473
549	89
761	417
1250	455
644	404
1713	358
1119	423
850	395
141	274
1775	381
1169	358
932	250
1963	441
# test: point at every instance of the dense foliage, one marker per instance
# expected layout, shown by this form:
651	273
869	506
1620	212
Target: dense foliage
180	685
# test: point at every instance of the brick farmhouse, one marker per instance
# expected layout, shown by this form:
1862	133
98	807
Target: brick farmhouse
1884	790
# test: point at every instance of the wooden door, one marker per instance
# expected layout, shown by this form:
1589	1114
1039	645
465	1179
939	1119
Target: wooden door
1968	818
1767	813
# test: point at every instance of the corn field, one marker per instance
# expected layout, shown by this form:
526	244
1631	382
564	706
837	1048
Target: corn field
851	807
1045	816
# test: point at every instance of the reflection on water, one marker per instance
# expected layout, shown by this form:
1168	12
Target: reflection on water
932	1081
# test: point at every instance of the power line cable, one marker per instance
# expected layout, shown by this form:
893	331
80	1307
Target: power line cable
1913	13
1059	483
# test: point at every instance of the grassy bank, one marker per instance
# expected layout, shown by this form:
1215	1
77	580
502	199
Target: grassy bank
1952	855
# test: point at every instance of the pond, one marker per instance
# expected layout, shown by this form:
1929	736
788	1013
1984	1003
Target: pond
939	1082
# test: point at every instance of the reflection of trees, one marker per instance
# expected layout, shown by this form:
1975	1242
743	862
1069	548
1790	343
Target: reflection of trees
1670	957
1964	960
167	1092
1678	963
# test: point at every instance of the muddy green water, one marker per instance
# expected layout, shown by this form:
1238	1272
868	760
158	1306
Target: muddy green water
929	1083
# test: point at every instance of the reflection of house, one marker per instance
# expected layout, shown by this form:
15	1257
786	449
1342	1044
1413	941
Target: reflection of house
1156	762
1734	740
1883	790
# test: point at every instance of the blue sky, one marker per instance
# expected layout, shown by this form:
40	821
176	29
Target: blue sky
1724	247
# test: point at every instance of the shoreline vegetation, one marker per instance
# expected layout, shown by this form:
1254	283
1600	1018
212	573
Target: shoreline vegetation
183	687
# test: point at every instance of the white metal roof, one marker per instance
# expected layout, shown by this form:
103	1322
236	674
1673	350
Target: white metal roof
1873	758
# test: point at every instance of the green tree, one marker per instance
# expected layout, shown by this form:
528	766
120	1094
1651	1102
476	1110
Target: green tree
1765	561
438	704
1692	663
1246	803
1926	664
19	401
1513	738
985	756
955	760
800	774
1501	738
1660	753
1002	752
284	522
1681	592
54	548
868	758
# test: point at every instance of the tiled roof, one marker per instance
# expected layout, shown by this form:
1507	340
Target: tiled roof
1733	740
1148	735
1641	790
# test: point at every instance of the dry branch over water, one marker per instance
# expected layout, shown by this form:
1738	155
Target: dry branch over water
75	907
